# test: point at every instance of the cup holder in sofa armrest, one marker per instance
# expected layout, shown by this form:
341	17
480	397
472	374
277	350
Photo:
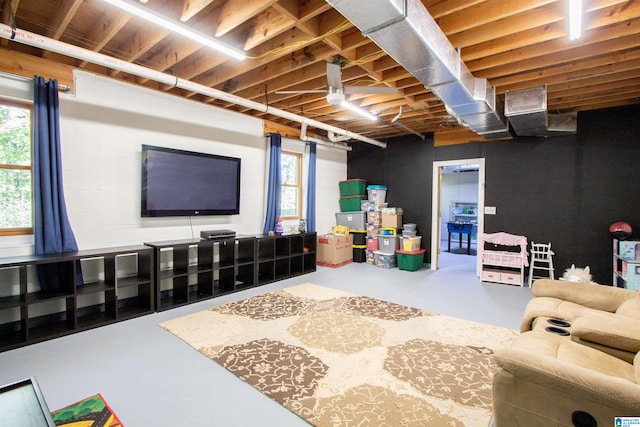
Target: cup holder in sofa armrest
559	322
557	331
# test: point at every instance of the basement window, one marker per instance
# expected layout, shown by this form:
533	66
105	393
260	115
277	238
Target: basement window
291	194
16	203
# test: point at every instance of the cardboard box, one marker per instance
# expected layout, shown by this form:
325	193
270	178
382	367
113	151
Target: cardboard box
334	250
391	220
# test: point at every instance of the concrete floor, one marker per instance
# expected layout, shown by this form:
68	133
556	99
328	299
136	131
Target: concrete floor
151	378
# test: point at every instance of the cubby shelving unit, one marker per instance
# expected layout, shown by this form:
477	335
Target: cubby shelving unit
281	257
92	288
82	290
192	270
186	270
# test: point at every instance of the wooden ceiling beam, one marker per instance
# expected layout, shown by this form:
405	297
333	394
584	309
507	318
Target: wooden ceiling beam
531	19
191	8
614	63
594	98
63	15
486	13
579	57
232	14
9	11
265	26
438	8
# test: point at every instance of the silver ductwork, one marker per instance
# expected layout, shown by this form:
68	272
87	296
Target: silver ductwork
406	31
527	113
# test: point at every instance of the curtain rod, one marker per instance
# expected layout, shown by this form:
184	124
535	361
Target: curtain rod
61	87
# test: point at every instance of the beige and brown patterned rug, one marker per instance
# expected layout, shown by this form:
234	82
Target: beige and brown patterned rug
339	359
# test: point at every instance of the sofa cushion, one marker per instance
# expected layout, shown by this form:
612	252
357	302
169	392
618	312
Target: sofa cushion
608	329
536	351
630	308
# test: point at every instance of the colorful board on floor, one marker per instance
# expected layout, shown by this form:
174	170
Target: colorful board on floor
90	412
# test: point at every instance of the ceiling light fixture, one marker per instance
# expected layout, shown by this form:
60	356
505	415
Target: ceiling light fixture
176	27
337	99
356	109
575	19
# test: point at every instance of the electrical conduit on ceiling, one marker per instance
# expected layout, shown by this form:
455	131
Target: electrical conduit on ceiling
38	41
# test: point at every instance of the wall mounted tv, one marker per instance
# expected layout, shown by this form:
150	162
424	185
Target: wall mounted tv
185	183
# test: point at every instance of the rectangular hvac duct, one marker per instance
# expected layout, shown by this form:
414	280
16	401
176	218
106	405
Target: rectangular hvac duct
527	110
406	31
527	113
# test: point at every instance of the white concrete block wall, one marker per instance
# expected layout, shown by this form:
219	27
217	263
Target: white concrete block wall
103	125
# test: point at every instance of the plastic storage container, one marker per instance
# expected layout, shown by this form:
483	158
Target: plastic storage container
353	187
352	220
377	193
372	243
410	261
359	237
411	243
388	244
350	203
371	259
359	253
387	231
384	260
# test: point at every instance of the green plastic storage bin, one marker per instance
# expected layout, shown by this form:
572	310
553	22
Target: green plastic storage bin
353	187
410	261
351	203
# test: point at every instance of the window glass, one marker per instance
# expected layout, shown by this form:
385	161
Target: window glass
15	168
290	199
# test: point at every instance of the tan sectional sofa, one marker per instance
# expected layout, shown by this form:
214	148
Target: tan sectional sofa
583	373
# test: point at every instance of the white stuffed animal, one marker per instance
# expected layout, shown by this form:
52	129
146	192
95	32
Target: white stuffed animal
574	274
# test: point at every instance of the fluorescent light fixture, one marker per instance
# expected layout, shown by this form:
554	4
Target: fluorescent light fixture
575	19
176	27
356	109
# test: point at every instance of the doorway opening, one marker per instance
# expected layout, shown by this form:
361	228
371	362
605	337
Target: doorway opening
460	209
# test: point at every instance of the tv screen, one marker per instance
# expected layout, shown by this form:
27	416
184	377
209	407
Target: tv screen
185	183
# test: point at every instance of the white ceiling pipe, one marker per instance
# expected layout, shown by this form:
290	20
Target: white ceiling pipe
36	40
305	138
335	138
395	121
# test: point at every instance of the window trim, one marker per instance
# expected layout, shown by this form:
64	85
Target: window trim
298	184
27	106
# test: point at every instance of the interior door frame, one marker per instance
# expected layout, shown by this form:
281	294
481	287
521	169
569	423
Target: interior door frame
436	218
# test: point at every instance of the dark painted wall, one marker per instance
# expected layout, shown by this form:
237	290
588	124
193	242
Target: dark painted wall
566	190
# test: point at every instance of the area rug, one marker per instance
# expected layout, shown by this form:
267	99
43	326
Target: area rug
339	359
90	412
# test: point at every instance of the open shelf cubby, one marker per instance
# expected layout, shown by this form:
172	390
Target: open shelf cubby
47	296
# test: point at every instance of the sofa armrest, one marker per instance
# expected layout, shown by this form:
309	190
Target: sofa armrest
611	330
598	297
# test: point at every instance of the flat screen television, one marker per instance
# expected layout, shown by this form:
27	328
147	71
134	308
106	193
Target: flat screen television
186	183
